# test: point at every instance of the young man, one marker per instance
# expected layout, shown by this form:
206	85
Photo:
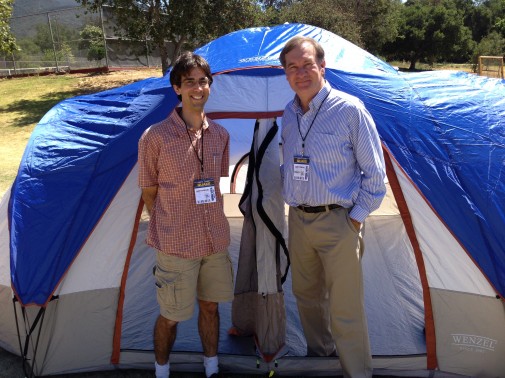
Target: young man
333	179
181	160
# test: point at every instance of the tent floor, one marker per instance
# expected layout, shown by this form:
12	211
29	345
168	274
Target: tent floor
11	367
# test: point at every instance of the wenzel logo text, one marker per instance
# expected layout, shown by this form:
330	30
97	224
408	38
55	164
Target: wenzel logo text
473	342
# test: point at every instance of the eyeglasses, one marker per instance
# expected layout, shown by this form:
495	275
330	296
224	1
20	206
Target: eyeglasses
191	83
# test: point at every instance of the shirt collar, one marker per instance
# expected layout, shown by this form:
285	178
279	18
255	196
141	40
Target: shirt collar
180	125
316	102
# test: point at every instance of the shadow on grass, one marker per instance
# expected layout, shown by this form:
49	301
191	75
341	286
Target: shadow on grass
403	69
33	110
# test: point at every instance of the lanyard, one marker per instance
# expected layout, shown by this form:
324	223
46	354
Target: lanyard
193	146
312	123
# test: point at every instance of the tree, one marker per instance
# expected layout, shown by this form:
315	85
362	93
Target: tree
432	31
491	45
480	20
92	40
366	23
7	40
62	54
276	4
333	15
54	36
378	21
185	23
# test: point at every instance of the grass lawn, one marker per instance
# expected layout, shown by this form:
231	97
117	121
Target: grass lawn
404	66
24	101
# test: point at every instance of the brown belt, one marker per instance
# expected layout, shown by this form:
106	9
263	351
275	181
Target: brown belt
317	209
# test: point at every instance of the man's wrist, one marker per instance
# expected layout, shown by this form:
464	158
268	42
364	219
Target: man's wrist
358	214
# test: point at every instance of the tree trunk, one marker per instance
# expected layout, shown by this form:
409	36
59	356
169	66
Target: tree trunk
163	56
178	48
413	60
412	65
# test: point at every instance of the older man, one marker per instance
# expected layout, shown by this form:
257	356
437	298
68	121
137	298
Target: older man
333	179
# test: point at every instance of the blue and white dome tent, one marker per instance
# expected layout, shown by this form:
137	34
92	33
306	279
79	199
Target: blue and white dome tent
71	231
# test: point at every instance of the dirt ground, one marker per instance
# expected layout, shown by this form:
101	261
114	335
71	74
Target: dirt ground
91	83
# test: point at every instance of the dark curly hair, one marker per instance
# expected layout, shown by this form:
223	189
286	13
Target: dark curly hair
183	66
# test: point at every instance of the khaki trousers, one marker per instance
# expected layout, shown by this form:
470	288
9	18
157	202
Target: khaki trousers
325	251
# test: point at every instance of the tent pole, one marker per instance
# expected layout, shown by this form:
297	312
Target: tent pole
429	322
116	344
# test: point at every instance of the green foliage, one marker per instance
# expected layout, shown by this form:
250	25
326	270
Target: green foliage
367	23
63	54
480	22
432	31
378	21
491	45
237	13
7	40
47	38
185	23
482	16
92	40
27	48
332	15
276	4
46	47
499	26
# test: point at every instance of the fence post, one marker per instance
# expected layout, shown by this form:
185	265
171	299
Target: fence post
147	53
13	63
52	40
104	39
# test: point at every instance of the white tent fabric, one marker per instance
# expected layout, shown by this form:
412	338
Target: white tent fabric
270	94
453	270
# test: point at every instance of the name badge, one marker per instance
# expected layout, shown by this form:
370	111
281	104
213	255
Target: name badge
301	168
205	191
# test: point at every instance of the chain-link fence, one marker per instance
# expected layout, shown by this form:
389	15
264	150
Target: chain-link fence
70	40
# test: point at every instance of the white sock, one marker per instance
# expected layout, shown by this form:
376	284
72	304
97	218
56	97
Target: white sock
211	365
162	371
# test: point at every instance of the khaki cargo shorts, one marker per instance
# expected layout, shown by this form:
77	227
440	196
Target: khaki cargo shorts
180	281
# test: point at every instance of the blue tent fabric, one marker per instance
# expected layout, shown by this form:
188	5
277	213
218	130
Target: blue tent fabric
445	129
260	48
75	162
461	137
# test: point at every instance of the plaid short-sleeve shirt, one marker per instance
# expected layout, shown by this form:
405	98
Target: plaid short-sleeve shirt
167	159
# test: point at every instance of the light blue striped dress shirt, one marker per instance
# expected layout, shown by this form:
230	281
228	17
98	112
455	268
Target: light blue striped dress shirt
346	162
